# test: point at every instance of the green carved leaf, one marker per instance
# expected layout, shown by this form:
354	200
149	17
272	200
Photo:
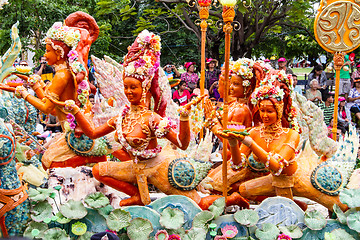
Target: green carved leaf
293	231
172	218
268	232
246	217
315	220
96	200
338	234
218	206
196	233
139	229
353	221
202	219
118	219
73	209
61	219
340	214
41	227
350	197
41	211
56	234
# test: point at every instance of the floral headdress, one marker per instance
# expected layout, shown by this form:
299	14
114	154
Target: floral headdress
71	37
243	67
270	88
146	61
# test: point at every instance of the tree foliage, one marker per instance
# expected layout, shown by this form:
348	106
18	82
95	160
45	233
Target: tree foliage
268	27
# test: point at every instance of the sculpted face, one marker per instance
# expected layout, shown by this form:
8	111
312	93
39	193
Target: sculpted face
133	90
267	112
51	55
236	87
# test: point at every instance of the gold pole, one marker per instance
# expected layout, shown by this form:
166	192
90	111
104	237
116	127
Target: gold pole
204	15
338	63
228	16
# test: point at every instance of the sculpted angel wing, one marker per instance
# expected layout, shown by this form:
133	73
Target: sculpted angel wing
109	79
7	61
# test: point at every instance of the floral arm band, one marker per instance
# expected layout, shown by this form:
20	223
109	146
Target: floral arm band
184	114
20	92
282	162
242	163
36	82
164	127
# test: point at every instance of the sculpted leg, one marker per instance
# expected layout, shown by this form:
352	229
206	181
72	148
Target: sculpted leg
304	188
123	186
257	187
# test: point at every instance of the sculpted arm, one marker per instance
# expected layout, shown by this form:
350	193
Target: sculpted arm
87	126
286	152
55	90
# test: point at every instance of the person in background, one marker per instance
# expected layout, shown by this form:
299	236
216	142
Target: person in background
297	88
44	70
282	66
212	73
190	77
345	83
182	94
313	94
92	99
213	91
53	124
176	101
344	115
355	74
354	100
319	74
328	108
171	72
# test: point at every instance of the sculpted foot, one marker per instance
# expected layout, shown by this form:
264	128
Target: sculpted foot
134	200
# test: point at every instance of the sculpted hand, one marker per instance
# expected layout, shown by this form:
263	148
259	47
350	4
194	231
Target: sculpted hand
230	135
70	106
208	108
194	102
21	92
6	88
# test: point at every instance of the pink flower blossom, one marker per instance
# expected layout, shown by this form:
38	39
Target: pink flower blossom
284	237
111	231
66	28
174	237
147	39
229	231
141	62
70	117
72	55
220	238
72	125
84	85
57	25
163	234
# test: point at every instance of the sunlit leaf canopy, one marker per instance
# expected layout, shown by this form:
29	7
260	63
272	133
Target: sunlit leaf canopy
268	28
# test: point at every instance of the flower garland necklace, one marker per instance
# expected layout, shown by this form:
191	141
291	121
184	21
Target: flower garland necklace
147	153
272	132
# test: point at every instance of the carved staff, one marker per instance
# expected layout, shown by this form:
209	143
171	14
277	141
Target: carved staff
204	6
228	17
338	32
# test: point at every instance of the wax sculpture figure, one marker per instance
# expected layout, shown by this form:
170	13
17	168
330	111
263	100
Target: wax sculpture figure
274	144
137	129
66	48
244	73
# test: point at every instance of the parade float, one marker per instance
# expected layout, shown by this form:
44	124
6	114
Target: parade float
94	178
